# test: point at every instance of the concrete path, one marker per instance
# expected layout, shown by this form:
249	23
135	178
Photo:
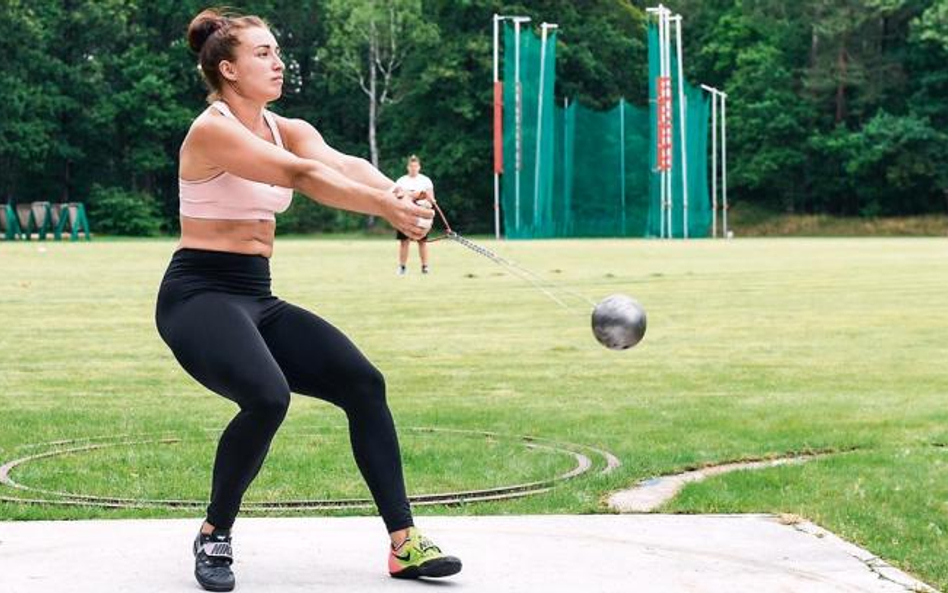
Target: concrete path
587	554
648	495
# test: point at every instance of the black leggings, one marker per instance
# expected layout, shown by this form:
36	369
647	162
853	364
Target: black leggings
216	313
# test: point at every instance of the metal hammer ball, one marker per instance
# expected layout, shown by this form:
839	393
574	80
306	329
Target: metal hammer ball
618	322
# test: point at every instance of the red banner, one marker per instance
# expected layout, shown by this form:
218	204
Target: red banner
498	127
664	135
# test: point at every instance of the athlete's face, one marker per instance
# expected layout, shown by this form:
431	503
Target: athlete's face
257	71
413	168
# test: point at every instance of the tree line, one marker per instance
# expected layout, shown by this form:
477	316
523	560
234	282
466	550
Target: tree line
835	106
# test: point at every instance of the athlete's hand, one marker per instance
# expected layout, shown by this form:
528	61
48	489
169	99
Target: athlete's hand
410	218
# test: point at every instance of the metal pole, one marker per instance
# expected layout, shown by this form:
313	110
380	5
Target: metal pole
661	106
663	205
667	48
536	154
718	97
714	165
658	131
724	161
663	53
668	217
622	159
496	46
665	175
544	28
682	125
496	175
518	117
567	207
517	20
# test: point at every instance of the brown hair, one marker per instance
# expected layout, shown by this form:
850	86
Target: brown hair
413	159
212	35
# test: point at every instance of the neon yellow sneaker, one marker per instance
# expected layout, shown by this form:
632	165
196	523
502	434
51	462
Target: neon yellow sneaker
418	557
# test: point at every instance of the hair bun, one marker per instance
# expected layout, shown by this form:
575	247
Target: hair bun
203	26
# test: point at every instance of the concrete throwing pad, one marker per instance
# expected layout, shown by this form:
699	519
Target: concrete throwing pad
596	553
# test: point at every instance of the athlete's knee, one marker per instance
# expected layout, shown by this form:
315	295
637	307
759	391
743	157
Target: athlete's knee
276	406
371	384
268	398
367	387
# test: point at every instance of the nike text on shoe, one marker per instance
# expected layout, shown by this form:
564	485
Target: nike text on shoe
213	556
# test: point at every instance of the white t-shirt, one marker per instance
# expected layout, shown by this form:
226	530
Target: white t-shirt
417	183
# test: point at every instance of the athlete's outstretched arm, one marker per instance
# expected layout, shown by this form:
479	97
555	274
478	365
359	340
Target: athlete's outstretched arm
305	141
226	144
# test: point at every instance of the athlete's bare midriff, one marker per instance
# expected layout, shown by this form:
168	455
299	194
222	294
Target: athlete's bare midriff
251	237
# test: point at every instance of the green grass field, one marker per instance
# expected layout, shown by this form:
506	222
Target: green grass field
755	348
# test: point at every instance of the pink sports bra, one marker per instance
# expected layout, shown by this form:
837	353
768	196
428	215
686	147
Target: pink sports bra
229	197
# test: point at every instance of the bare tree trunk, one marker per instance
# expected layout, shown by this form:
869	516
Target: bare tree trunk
841	83
373	106
66	180
816	17
885	35
814	46
373	110
807	181
6	166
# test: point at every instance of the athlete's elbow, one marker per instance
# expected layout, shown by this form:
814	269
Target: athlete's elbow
352	166
304	171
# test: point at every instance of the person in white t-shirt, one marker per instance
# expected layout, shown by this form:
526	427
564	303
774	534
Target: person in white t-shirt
418	187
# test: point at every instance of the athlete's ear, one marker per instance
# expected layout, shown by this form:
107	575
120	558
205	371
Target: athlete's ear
228	70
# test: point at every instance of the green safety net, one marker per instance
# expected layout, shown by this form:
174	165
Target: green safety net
528	188
697	112
579	172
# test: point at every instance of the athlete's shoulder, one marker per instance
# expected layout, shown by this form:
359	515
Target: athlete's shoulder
208	123
292	123
296	131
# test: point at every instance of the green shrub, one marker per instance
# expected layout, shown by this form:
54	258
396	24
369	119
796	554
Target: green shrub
117	211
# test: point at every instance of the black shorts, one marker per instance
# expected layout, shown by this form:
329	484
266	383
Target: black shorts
403	237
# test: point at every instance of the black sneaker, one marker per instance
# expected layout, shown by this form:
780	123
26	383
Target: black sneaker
213	556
